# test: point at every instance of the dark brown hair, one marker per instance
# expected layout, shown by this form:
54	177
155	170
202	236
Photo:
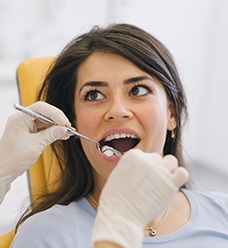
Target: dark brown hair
58	89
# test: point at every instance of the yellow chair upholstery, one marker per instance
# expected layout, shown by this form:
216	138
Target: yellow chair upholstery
6	239
30	75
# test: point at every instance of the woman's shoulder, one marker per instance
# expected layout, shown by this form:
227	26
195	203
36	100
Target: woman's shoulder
56	226
62	214
209	200
209	214
211	196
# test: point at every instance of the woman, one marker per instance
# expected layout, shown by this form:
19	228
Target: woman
119	86
35	136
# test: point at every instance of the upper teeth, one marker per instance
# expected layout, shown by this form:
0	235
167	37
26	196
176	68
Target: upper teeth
119	136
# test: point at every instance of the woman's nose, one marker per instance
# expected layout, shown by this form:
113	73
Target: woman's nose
118	110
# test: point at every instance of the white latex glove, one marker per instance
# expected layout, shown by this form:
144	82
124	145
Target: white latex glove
139	188
24	139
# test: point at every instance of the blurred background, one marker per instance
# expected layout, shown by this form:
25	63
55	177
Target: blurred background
196	33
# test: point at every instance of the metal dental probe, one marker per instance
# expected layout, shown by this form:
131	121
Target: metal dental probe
107	150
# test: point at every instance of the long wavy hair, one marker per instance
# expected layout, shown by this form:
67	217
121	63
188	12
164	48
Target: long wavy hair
58	89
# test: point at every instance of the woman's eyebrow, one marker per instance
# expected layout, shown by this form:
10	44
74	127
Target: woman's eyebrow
136	79
105	84
94	83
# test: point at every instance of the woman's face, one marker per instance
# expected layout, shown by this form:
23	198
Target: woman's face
121	105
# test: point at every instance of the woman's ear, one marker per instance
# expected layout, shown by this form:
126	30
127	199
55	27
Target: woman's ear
172	123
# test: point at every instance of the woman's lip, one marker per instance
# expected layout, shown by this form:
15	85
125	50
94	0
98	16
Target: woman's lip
119	131
110	151
114	158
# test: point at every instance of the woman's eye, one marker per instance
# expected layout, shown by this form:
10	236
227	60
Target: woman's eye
140	90
93	95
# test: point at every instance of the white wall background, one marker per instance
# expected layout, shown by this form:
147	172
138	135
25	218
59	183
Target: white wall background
195	31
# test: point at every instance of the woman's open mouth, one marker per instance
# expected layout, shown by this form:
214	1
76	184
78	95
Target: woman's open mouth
120	141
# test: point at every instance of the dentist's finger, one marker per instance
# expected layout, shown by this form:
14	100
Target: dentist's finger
180	176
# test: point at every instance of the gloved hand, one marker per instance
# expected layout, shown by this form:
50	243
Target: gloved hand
24	139
139	188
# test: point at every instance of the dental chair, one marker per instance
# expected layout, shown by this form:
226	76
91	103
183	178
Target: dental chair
42	175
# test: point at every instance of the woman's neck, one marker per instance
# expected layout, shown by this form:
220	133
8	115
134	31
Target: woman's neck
178	216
